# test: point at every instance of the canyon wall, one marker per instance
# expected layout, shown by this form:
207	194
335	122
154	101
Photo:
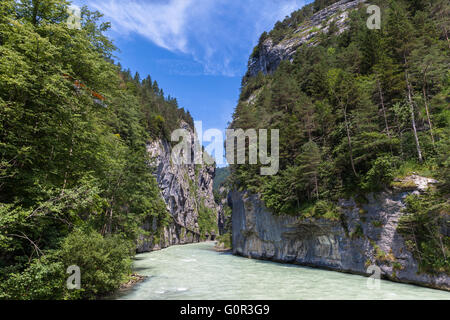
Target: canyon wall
187	191
270	54
367	235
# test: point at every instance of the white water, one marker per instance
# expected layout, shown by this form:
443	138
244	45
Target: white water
198	272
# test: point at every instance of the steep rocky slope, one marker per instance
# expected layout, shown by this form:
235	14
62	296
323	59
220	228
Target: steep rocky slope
188	193
329	104
367	235
270	54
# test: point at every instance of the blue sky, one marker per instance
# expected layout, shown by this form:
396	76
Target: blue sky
197	50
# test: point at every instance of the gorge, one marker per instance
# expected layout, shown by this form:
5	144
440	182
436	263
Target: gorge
223	276
362	146
187	191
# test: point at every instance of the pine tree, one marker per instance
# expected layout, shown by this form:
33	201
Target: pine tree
401	35
308	162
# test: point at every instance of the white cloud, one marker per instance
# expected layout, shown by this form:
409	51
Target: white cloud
215	33
161	22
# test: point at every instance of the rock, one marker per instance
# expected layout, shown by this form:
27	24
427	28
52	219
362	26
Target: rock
414	183
257	233
133	281
271	54
224	221
183	187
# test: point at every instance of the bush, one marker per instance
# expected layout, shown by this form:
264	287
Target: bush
422	229
104	264
381	173
42	280
207	220
225	241
321	209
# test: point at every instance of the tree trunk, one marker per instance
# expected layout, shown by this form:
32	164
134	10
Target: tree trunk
384	109
349	141
36	4
317	185
446	36
424	89
413	118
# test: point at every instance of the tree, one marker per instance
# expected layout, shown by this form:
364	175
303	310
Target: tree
401	35
341	86
426	65
67	162
309	161
441	11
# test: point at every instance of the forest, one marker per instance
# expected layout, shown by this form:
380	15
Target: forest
358	111
75	182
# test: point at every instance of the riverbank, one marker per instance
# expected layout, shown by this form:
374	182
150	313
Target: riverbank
366	235
134	280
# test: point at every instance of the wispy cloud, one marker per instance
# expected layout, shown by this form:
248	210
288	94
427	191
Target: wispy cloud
214	33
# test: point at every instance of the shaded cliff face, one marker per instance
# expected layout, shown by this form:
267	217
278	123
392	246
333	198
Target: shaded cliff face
187	191
367	235
271	54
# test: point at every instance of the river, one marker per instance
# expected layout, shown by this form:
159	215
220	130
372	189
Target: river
197	272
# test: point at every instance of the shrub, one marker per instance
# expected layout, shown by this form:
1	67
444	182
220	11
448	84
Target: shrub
105	262
207	220
421	228
43	279
381	173
358	232
225	240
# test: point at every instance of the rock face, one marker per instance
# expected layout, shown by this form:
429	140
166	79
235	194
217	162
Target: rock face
271	54
224	221
367	235
184	188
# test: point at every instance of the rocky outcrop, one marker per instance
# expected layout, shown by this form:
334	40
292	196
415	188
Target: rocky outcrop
224	221
270	54
366	235
186	189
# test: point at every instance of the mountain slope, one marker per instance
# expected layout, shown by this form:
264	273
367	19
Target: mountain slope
76	178
358	111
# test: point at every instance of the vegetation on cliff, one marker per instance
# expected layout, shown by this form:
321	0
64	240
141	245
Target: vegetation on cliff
354	111
422	227
75	185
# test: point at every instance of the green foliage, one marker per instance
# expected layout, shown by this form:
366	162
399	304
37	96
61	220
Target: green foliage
322	209
43	279
69	160
207	220
426	217
221	176
357	233
104	264
225	241
341	106
354	111
381	173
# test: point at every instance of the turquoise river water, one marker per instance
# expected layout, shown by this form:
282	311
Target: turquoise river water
197	272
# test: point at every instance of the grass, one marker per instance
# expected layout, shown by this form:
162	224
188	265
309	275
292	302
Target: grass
377	223
358	233
411	167
404	185
382	256
321	209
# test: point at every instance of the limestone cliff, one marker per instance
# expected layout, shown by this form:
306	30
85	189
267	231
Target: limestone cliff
270	54
367	235
187	191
